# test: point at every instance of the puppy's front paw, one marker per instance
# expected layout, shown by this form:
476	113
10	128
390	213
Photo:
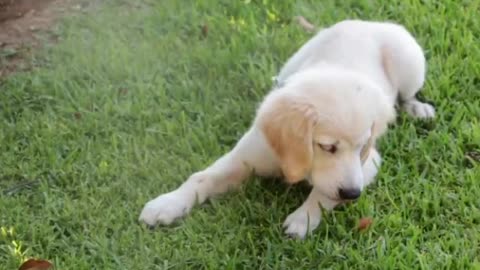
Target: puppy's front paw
164	209
419	109
302	221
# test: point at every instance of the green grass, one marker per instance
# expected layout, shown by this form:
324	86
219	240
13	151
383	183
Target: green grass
134	98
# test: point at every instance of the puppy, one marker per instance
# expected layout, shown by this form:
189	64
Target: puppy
334	98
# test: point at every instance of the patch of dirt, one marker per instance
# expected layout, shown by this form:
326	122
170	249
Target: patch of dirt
12	9
21	24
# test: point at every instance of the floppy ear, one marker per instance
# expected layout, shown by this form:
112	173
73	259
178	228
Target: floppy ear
365	152
385	115
287	124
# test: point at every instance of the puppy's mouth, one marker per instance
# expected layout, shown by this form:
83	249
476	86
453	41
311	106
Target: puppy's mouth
336	199
343	201
339	200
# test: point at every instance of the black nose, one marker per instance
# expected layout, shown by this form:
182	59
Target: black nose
349	193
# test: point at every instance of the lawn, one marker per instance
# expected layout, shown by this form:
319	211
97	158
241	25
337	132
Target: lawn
137	95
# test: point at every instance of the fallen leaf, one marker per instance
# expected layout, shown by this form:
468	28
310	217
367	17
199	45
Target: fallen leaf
123	91
21	186
475	155
33	264
77	115
364	223
305	24
204	30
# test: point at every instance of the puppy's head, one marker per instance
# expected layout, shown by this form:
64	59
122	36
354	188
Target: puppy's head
320	124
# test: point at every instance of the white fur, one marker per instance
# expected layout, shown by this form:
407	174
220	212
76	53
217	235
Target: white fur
335	93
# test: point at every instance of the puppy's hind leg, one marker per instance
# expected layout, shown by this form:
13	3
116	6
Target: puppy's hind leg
418	109
404	63
249	154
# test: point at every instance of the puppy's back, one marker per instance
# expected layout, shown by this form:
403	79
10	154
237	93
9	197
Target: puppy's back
356	45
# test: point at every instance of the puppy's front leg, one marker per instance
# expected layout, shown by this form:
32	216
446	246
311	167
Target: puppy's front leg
250	154
308	216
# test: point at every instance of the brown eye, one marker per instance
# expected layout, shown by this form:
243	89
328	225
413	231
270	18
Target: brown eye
331	148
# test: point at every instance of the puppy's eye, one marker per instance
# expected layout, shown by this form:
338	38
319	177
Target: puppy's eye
331	148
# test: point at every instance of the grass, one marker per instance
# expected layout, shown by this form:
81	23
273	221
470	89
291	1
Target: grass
134	98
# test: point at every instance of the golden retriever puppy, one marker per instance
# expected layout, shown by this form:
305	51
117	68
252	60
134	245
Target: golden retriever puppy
334	98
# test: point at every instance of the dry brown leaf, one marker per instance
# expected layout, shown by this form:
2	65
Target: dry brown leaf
364	223
33	264
204	30
305	24
123	91
77	115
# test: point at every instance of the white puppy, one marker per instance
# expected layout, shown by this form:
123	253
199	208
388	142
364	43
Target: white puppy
335	97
